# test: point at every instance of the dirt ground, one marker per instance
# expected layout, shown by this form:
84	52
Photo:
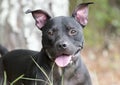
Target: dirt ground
103	64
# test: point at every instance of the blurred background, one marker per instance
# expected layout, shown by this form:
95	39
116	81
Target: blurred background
101	51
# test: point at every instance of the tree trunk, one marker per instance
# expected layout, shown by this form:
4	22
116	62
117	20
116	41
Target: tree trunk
17	30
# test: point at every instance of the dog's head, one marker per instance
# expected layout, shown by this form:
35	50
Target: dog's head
62	37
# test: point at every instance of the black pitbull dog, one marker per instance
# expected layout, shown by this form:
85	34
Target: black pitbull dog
59	62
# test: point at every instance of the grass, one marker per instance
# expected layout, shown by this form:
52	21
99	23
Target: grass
41	69
20	77
12	83
49	79
5	78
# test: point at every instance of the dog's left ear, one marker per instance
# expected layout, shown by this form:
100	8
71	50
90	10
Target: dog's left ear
40	16
81	13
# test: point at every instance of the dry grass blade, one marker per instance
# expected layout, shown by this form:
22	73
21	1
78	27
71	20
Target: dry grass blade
50	83
5	78
20	77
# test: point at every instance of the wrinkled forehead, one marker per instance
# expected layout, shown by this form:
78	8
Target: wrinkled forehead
62	22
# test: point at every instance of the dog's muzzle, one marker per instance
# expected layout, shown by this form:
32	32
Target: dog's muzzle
64	59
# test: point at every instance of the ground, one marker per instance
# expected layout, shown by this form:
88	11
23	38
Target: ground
103	64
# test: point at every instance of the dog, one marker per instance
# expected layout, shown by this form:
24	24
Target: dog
59	61
3	50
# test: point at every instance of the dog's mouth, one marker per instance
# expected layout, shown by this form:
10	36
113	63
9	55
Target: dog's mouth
65	59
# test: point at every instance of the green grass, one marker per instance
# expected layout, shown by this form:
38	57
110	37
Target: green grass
20	77
5	78
12	83
49	80
41	69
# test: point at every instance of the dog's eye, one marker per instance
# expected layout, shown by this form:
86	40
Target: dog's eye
72	32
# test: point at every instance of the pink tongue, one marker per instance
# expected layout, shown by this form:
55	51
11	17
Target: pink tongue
63	61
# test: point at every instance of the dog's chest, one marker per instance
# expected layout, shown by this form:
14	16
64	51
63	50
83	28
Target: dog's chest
67	76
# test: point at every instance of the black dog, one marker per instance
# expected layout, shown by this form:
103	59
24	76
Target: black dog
3	50
60	59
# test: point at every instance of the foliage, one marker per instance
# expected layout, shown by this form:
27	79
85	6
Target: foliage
103	21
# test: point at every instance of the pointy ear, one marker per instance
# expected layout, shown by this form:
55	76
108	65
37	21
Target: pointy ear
81	13
40	16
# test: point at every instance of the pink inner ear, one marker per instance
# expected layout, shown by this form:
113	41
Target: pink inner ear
40	20
82	15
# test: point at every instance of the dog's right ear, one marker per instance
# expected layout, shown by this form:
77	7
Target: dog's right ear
40	17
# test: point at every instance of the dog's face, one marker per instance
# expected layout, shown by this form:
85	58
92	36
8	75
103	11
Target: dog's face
62	37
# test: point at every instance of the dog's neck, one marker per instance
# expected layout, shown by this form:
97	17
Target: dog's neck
62	71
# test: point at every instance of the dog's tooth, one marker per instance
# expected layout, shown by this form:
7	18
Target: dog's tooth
71	62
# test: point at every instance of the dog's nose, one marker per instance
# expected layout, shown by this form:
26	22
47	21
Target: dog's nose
62	45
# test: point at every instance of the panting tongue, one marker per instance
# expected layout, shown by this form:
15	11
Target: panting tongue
63	61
